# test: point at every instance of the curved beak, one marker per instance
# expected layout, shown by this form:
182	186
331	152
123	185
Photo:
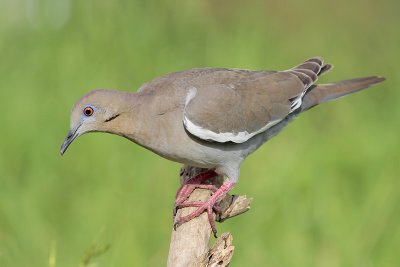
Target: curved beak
71	136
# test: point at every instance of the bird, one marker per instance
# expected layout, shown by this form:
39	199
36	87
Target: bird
209	118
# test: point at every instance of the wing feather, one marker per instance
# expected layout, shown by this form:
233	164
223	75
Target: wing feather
235	105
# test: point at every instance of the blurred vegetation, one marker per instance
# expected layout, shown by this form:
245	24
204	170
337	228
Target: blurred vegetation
326	191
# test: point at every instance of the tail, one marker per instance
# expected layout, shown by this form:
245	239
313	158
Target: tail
327	92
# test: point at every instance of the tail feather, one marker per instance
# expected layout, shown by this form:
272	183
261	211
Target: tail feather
309	70
325	69
318	60
327	92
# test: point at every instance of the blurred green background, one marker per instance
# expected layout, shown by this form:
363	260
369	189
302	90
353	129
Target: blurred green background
326	190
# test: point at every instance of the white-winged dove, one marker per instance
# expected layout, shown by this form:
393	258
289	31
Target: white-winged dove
209	118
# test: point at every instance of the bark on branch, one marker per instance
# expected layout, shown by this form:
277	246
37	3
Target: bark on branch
190	242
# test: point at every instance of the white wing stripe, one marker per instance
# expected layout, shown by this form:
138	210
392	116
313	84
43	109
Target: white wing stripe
239	137
191	94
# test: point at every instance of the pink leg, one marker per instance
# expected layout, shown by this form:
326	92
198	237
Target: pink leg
207	206
196	182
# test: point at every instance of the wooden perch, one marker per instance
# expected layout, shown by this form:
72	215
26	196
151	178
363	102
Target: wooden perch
220	254
189	242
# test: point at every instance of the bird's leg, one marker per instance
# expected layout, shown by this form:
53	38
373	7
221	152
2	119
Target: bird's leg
207	206
197	181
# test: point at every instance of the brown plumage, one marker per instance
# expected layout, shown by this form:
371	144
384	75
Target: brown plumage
209	118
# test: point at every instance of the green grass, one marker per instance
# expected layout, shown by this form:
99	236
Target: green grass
326	190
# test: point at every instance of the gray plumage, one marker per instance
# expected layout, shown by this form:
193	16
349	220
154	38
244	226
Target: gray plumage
210	118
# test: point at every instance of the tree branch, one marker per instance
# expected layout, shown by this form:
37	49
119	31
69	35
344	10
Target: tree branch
189	242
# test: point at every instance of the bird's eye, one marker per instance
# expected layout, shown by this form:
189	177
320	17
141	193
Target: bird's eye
88	111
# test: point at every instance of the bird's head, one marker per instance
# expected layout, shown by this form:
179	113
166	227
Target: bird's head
96	111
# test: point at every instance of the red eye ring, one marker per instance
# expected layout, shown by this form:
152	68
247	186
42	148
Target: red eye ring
88	111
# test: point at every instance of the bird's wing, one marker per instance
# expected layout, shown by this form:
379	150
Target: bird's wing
237	109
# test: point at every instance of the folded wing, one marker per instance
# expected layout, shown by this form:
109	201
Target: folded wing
237	109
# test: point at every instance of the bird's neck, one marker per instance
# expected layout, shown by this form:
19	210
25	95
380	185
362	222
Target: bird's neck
132	122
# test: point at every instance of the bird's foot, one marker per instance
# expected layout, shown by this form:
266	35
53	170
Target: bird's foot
185	191
207	206
198	181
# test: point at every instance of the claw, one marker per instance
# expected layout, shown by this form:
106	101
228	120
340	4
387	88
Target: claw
195	182
185	191
206	206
